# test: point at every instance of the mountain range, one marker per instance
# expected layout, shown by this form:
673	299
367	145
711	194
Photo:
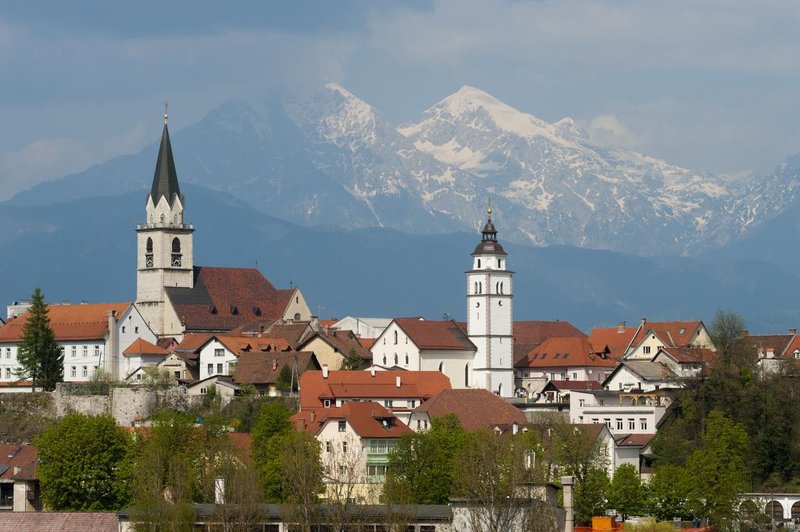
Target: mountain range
378	219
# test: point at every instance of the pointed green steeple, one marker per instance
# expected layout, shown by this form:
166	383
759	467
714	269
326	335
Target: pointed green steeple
165	180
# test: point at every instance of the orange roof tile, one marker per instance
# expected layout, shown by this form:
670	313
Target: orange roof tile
616	339
87	321
672	333
143	347
536	332
365	385
366	419
476	409
265	368
570	352
429	334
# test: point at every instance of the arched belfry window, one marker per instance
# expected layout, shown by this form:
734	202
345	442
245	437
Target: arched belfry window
176	252
148	253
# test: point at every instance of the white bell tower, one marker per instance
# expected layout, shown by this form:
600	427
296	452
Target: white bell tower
489	314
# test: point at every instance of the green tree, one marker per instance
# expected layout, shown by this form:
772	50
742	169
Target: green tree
84	464
40	357
352	362
300	470
272	424
591	494
286	380
667	493
717	472
421	465
626	494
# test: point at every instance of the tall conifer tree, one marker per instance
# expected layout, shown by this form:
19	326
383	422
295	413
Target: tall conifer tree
40	357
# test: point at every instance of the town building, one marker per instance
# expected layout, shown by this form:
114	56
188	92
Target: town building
19	485
176	297
475	409
91	336
634	412
332	347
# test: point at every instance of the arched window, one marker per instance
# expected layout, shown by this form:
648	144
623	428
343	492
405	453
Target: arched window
148	254
395	337
499	263
396	361
176	252
500	390
176	245
476	287
480	288
149	245
406	360
479	263
163	218
384	360
296	316
441	367
466	375
502	288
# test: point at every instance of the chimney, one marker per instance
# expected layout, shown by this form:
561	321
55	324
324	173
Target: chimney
744	333
372	371
324	371
112	350
514	428
219	490
644	321
621	327
397	381
793	332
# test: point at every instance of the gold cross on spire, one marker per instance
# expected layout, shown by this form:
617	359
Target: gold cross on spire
489	210
166	116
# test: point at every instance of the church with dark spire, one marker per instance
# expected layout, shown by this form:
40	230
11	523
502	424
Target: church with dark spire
164	257
174	296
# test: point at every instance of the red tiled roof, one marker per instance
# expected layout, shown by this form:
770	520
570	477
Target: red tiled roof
367	343
476	409
536	332
143	347
429	334
365	385
342	342
634	440
193	341
59	521
239	345
70	322
672	333
570	352
366	419
690	355
778	343
225	298
18	456
617	339
265	368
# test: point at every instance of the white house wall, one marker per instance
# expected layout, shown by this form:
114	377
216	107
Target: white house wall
221	359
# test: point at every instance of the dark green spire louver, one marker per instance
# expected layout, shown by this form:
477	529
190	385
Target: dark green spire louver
165	180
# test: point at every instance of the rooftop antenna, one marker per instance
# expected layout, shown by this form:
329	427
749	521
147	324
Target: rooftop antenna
166	115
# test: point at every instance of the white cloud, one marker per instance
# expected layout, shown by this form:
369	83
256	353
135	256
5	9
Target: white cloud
608	129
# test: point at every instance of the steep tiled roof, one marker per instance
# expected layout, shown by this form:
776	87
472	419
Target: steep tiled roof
634	440
617	339
87	321
265	368
428	334
343	342
570	352
573	385
192	342
673	333
476	409
225	298
366	385
293	332
143	347
368	420
367	343
648	370
18	456
59	521
778	343
239	345
536	332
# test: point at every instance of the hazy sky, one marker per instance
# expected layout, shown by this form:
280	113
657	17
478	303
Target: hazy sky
707	84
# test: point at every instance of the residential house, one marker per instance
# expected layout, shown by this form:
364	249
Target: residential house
686	361
571	358
424	345
19	486
652	336
142	354
643	375
362	327
558	391
220	353
631	449
263	370
221	386
399	391
476	409
294	332
355	441
622	412
773	350
331	348
91	336
614	340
